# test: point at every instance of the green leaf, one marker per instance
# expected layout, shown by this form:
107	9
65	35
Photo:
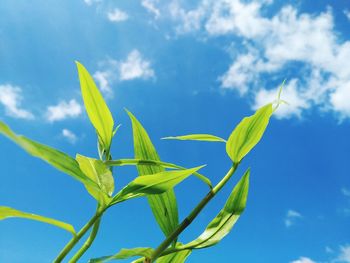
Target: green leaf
124	254
96	108
196	137
164	206
153	184
248	133
122	162
7	212
177	257
98	172
226	219
56	158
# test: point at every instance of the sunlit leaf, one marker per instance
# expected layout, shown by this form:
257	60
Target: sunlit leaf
8	212
196	137
122	162
96	108
56	158
177	257
248	133
98	172
164	206
222	224
153	184
124	254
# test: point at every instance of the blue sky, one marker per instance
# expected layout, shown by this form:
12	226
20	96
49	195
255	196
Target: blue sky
182	67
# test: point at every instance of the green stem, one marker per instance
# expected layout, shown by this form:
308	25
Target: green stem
69	246
188	220
87	243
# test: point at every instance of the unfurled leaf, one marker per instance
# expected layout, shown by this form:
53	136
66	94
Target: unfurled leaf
196	137
98	172
122	162
226	219
248	133
56	158
124	254
8	212
164	206
153	184
96	108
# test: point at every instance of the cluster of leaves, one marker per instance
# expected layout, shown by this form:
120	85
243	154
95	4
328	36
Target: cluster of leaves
156	180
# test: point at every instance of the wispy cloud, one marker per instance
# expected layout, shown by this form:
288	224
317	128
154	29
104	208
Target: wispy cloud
91	2
344	255
150	6
117	15
291	217
11	98
107	75
347	13
269	46
345	192
70	136
135	66
63	110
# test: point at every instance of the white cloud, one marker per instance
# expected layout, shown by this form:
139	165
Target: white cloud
291	217
239	74
344	255
236	17
69	135
270	45
63	110
340	99
11	98
303	260
135	67
297	101
189	20
111	71
117	15
150	6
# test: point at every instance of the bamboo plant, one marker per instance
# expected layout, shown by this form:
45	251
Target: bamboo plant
155	181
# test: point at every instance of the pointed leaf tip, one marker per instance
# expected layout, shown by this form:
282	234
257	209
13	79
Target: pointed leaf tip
96	107
8	212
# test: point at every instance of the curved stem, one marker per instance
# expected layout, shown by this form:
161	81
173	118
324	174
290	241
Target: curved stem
69	246
188	220
87	243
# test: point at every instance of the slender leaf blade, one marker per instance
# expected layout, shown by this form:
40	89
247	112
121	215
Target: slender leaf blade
222	224
123	162
98	172
196	137
96	107
153	184
56	158
164	206
8	212
248	133
124	254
